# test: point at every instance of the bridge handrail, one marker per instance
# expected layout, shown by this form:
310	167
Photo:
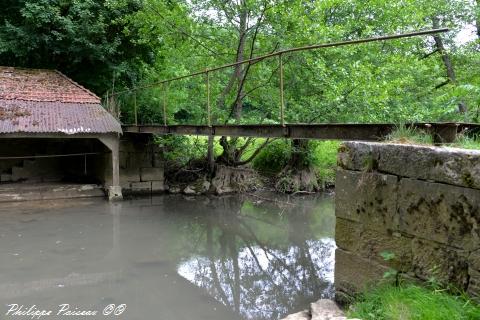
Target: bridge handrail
279	53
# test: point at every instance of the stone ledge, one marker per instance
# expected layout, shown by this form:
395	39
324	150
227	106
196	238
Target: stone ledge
454	166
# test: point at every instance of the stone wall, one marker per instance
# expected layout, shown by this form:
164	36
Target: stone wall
420	203
141	165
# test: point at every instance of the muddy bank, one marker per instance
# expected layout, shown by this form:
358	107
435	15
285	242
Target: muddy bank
227	179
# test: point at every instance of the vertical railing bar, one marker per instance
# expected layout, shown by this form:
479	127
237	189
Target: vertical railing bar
135	107
209	120
282	99
165	92
108	104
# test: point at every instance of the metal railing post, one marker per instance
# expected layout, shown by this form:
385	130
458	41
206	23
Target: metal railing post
165	92
282	99
135	108
209	119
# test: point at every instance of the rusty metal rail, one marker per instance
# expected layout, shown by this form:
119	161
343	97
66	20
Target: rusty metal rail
207	72
442	132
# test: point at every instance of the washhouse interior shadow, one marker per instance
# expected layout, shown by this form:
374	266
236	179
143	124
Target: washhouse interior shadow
40	160
262	259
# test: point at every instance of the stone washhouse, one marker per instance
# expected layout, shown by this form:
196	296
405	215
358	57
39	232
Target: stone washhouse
55	133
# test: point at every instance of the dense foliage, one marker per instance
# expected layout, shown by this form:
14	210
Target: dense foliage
92	41
135	42
416	79
118	45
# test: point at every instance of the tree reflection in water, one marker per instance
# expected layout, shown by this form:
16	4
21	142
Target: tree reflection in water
263	260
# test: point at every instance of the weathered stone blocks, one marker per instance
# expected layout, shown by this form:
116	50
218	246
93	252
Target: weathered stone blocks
422	204
443	263
141	165
447	165
367	197
440	212
151	174
357	273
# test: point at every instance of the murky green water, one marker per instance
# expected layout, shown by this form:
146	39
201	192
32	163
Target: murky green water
168	257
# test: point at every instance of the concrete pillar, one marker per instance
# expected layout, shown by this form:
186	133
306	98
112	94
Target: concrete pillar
114	190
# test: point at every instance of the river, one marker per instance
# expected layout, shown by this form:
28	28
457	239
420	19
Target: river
167	257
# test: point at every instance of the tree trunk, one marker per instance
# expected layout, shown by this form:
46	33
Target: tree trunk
210	155
298	175
477	18
239	69
462	107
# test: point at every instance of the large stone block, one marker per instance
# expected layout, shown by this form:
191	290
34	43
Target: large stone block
445	264
129	175
370	244
139	160
141	187
367	197
448	165
474	284
439	212
151	174
126	145
474	260
353	274
347	234
158	186
357	156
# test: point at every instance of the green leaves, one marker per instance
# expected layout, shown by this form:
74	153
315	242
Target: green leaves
85	39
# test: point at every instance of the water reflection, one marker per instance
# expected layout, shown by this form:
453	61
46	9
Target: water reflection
170	257
264	259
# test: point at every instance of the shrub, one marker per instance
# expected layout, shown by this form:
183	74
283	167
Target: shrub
273	158
325	159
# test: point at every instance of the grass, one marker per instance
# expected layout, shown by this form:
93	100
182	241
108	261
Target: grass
412	302
409	135
467	142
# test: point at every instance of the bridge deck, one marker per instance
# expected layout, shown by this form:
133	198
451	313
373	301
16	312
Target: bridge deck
443	132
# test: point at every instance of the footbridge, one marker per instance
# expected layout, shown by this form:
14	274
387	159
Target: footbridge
442	132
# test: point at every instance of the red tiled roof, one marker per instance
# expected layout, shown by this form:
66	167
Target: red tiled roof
41	85
46	101
55	117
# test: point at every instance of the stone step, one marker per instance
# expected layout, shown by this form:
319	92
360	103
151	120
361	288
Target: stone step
5	177
323	309
48	191
302	315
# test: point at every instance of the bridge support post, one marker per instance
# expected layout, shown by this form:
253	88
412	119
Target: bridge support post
165	93
114	190
209	120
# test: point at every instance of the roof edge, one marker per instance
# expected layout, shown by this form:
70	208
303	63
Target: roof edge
78	85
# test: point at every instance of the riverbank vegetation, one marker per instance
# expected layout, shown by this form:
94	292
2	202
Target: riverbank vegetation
186	155
409	135
412	302
119	49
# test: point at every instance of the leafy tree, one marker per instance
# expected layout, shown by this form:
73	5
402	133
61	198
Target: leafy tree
94	42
